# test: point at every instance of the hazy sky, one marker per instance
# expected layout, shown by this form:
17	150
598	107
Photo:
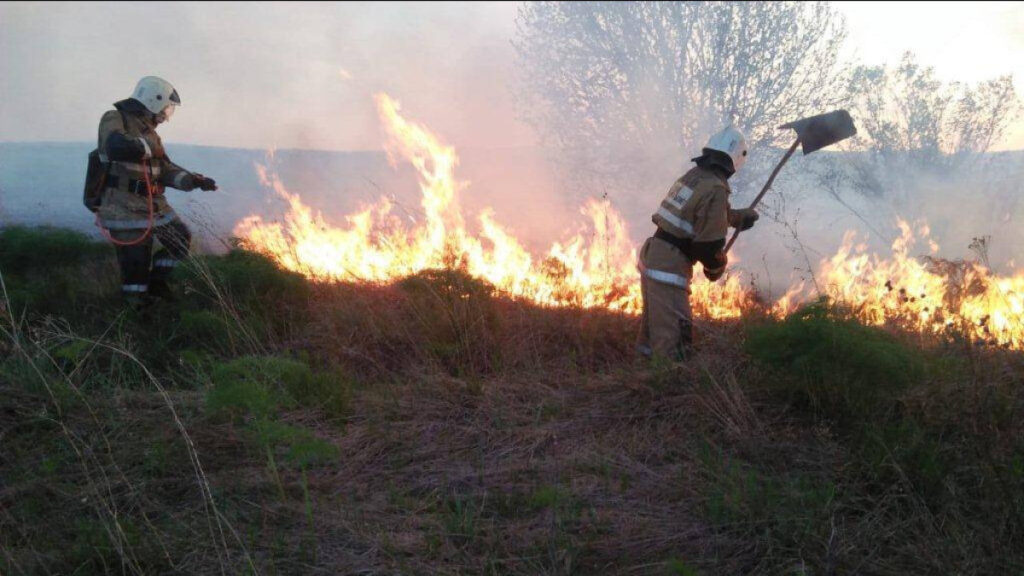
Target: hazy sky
303	75
964	41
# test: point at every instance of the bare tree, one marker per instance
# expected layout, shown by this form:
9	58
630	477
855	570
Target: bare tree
913	123
621	89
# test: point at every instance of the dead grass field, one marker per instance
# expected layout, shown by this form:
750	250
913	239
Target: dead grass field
264	425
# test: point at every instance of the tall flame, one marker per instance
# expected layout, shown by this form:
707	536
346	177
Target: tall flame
596	267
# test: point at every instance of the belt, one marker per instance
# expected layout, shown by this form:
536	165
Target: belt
134	186
683	244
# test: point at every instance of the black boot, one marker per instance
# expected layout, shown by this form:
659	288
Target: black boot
159	288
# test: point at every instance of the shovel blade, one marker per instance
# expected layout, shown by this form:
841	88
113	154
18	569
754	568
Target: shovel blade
817	132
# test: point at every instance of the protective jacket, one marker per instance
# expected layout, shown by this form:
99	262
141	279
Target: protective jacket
129	142
695	216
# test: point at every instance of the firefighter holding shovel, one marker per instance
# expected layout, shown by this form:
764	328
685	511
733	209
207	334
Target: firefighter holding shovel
693	220
692	223
125	184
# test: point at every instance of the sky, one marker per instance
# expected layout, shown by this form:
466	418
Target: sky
964	41
303	75
261	75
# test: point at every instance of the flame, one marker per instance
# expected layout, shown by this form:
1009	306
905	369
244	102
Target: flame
920	294
596	267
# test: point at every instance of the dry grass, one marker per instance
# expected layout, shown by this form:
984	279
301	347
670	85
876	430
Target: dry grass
480	436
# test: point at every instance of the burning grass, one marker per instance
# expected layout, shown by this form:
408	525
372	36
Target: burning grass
266	424
595	268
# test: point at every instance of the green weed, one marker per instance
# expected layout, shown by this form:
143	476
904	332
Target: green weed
203	328
740	493
55	271
461	518
250	387
835	368
252	277
263	385
549	497
44	249
676	567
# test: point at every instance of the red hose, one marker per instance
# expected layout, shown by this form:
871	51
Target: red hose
149	205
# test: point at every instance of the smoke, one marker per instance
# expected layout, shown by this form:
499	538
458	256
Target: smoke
260	75
979	201
624	114
815	202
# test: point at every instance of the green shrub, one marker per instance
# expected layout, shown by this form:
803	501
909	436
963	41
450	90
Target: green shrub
204	329
41	379
895	452
55	271
677	567
257	389
260	386
329	392
200	362
303	449
251	279
791	504
26	249
448	285
259	298
306	450
239	391
856	376
836	368
549	497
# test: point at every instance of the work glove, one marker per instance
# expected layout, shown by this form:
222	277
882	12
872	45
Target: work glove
714	274
203	183
743	218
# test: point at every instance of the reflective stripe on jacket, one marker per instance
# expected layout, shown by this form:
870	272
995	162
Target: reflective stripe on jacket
696	207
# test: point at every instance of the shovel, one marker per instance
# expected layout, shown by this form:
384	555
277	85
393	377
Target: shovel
815	133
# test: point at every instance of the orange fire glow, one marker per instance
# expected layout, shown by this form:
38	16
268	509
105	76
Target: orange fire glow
596	267
923	294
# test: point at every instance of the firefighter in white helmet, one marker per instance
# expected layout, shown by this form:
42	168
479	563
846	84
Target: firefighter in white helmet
133	209
693	220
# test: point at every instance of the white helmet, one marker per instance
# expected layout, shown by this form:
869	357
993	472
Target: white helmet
731	141
156	94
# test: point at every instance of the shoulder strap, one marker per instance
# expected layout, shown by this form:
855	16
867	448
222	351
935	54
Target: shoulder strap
110	163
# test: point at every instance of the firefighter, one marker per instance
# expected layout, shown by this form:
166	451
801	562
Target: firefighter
692	220
133	209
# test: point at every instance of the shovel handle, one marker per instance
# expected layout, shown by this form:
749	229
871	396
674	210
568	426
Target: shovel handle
764	190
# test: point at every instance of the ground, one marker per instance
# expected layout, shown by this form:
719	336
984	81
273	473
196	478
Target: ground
265	424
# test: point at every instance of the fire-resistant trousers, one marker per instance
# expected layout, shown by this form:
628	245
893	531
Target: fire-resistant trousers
140	267
666	327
